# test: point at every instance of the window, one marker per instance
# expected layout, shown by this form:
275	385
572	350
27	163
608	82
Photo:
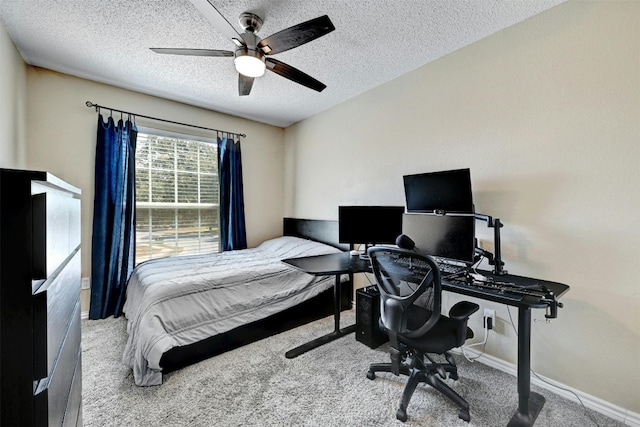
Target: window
176	196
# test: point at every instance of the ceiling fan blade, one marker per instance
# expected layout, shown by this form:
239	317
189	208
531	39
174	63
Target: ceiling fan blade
296	36
219	22
244	84
293	74
192	52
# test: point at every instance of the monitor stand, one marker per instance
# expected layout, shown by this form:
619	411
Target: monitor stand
364	256
496	259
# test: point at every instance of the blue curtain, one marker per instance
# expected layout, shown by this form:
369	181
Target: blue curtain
112	253
232	226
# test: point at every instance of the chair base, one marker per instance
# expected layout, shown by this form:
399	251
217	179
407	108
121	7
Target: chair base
430	373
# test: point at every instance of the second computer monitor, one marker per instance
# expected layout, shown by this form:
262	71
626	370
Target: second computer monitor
451	237
442	192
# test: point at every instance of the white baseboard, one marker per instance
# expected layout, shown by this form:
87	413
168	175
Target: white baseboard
633	419
84	315
610	410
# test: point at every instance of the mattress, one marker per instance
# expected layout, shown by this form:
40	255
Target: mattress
184	299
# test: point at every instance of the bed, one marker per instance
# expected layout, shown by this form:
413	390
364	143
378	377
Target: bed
181	310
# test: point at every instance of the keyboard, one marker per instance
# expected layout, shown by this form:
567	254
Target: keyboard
484	289
451	269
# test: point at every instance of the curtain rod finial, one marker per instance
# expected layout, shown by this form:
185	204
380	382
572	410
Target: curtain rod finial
91	104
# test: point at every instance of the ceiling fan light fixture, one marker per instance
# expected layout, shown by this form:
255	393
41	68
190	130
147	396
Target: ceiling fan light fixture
249	63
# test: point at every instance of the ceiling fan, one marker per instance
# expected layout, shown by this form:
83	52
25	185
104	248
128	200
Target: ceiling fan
252	55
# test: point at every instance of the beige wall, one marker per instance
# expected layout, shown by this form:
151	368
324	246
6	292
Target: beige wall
62	138
546	114
13	90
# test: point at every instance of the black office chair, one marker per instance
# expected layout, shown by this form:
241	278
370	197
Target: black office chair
410	304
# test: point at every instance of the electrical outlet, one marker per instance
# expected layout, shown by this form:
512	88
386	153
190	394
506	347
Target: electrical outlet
489	318
86	283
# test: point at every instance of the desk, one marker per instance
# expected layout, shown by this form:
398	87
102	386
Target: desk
328	265
529	403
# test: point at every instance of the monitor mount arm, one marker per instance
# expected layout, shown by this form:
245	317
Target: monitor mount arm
493	259
545	296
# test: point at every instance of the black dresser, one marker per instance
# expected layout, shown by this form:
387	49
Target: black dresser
40	281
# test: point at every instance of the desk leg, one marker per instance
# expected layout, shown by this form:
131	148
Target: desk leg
529	403
337	332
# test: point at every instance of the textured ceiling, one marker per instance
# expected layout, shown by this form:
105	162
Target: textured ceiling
375	41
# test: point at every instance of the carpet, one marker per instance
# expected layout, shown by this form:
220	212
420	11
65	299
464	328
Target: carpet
256	385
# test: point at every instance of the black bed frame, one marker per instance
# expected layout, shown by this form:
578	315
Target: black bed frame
313	309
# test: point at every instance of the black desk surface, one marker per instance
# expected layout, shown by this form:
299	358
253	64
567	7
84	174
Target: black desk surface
531	301
345	263
325	265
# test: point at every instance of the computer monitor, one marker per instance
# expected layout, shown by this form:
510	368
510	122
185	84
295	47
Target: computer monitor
451	237
369	225
441	192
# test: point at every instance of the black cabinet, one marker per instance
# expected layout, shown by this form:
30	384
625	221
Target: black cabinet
40	281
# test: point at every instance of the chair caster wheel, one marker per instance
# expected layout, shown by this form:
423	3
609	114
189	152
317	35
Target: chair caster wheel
464	415
401	414
453	376
371	375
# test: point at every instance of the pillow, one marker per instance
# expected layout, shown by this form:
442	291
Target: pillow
294	247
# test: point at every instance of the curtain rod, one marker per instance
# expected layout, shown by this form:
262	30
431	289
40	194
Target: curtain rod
97	107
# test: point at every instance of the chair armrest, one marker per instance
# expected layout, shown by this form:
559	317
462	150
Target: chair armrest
460	313
462	310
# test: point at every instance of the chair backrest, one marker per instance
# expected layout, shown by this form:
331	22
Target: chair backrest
408	282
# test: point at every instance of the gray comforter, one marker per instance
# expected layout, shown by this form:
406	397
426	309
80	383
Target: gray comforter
181	300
